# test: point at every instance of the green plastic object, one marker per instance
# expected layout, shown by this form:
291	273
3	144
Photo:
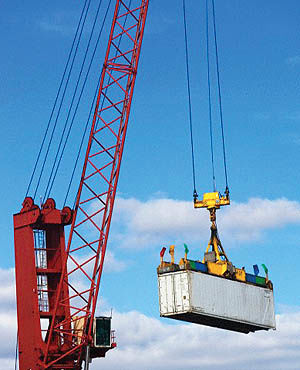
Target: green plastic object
192	264
103	332
260	280
265	268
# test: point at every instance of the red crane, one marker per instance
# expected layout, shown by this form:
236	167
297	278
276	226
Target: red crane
57	284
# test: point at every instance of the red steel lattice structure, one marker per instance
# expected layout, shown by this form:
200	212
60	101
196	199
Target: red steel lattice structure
70	288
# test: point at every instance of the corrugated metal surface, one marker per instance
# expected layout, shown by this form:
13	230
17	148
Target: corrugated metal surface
185	294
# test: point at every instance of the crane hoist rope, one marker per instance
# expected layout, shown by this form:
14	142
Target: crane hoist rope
55	102
211	201
209	85
209	100
61	104
58	157
91	110
59	111
189	97
220	95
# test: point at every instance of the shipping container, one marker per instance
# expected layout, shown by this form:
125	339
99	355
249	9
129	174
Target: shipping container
215	301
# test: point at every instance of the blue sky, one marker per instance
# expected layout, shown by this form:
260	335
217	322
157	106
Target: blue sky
259	50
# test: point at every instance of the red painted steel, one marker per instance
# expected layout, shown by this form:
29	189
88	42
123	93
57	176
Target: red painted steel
39	254
74	294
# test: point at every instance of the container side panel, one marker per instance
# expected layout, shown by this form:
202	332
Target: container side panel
231	299
201	294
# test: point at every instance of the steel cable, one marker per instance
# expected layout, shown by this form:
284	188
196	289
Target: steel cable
209	100
90	113
189	98
62	99
81	144
16	353
55	101
219	93
87	122
57	163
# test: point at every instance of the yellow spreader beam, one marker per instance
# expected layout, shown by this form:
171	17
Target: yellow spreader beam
212	200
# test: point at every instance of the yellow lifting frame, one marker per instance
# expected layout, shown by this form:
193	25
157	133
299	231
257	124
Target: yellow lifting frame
213	201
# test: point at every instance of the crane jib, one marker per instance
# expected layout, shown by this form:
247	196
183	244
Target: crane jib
69	306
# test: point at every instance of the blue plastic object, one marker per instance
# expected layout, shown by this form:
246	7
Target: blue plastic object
200	266
251	278
255	269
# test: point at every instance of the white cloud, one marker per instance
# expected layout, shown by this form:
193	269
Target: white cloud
156	221
247	221
8	330
113	264
81	282
284	308
7	291
7	364
146	343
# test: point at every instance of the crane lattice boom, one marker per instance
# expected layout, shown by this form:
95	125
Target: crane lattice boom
75	279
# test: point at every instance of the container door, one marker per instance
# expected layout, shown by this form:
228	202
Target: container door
166	294
181	292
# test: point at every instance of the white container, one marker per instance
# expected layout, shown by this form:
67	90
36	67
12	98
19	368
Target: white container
215	301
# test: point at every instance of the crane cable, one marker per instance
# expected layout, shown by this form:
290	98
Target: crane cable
61	103
62	99
189	97
209	101
91	111
57	161
89	115
220	95
209	96
16	352
55	101
84	10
